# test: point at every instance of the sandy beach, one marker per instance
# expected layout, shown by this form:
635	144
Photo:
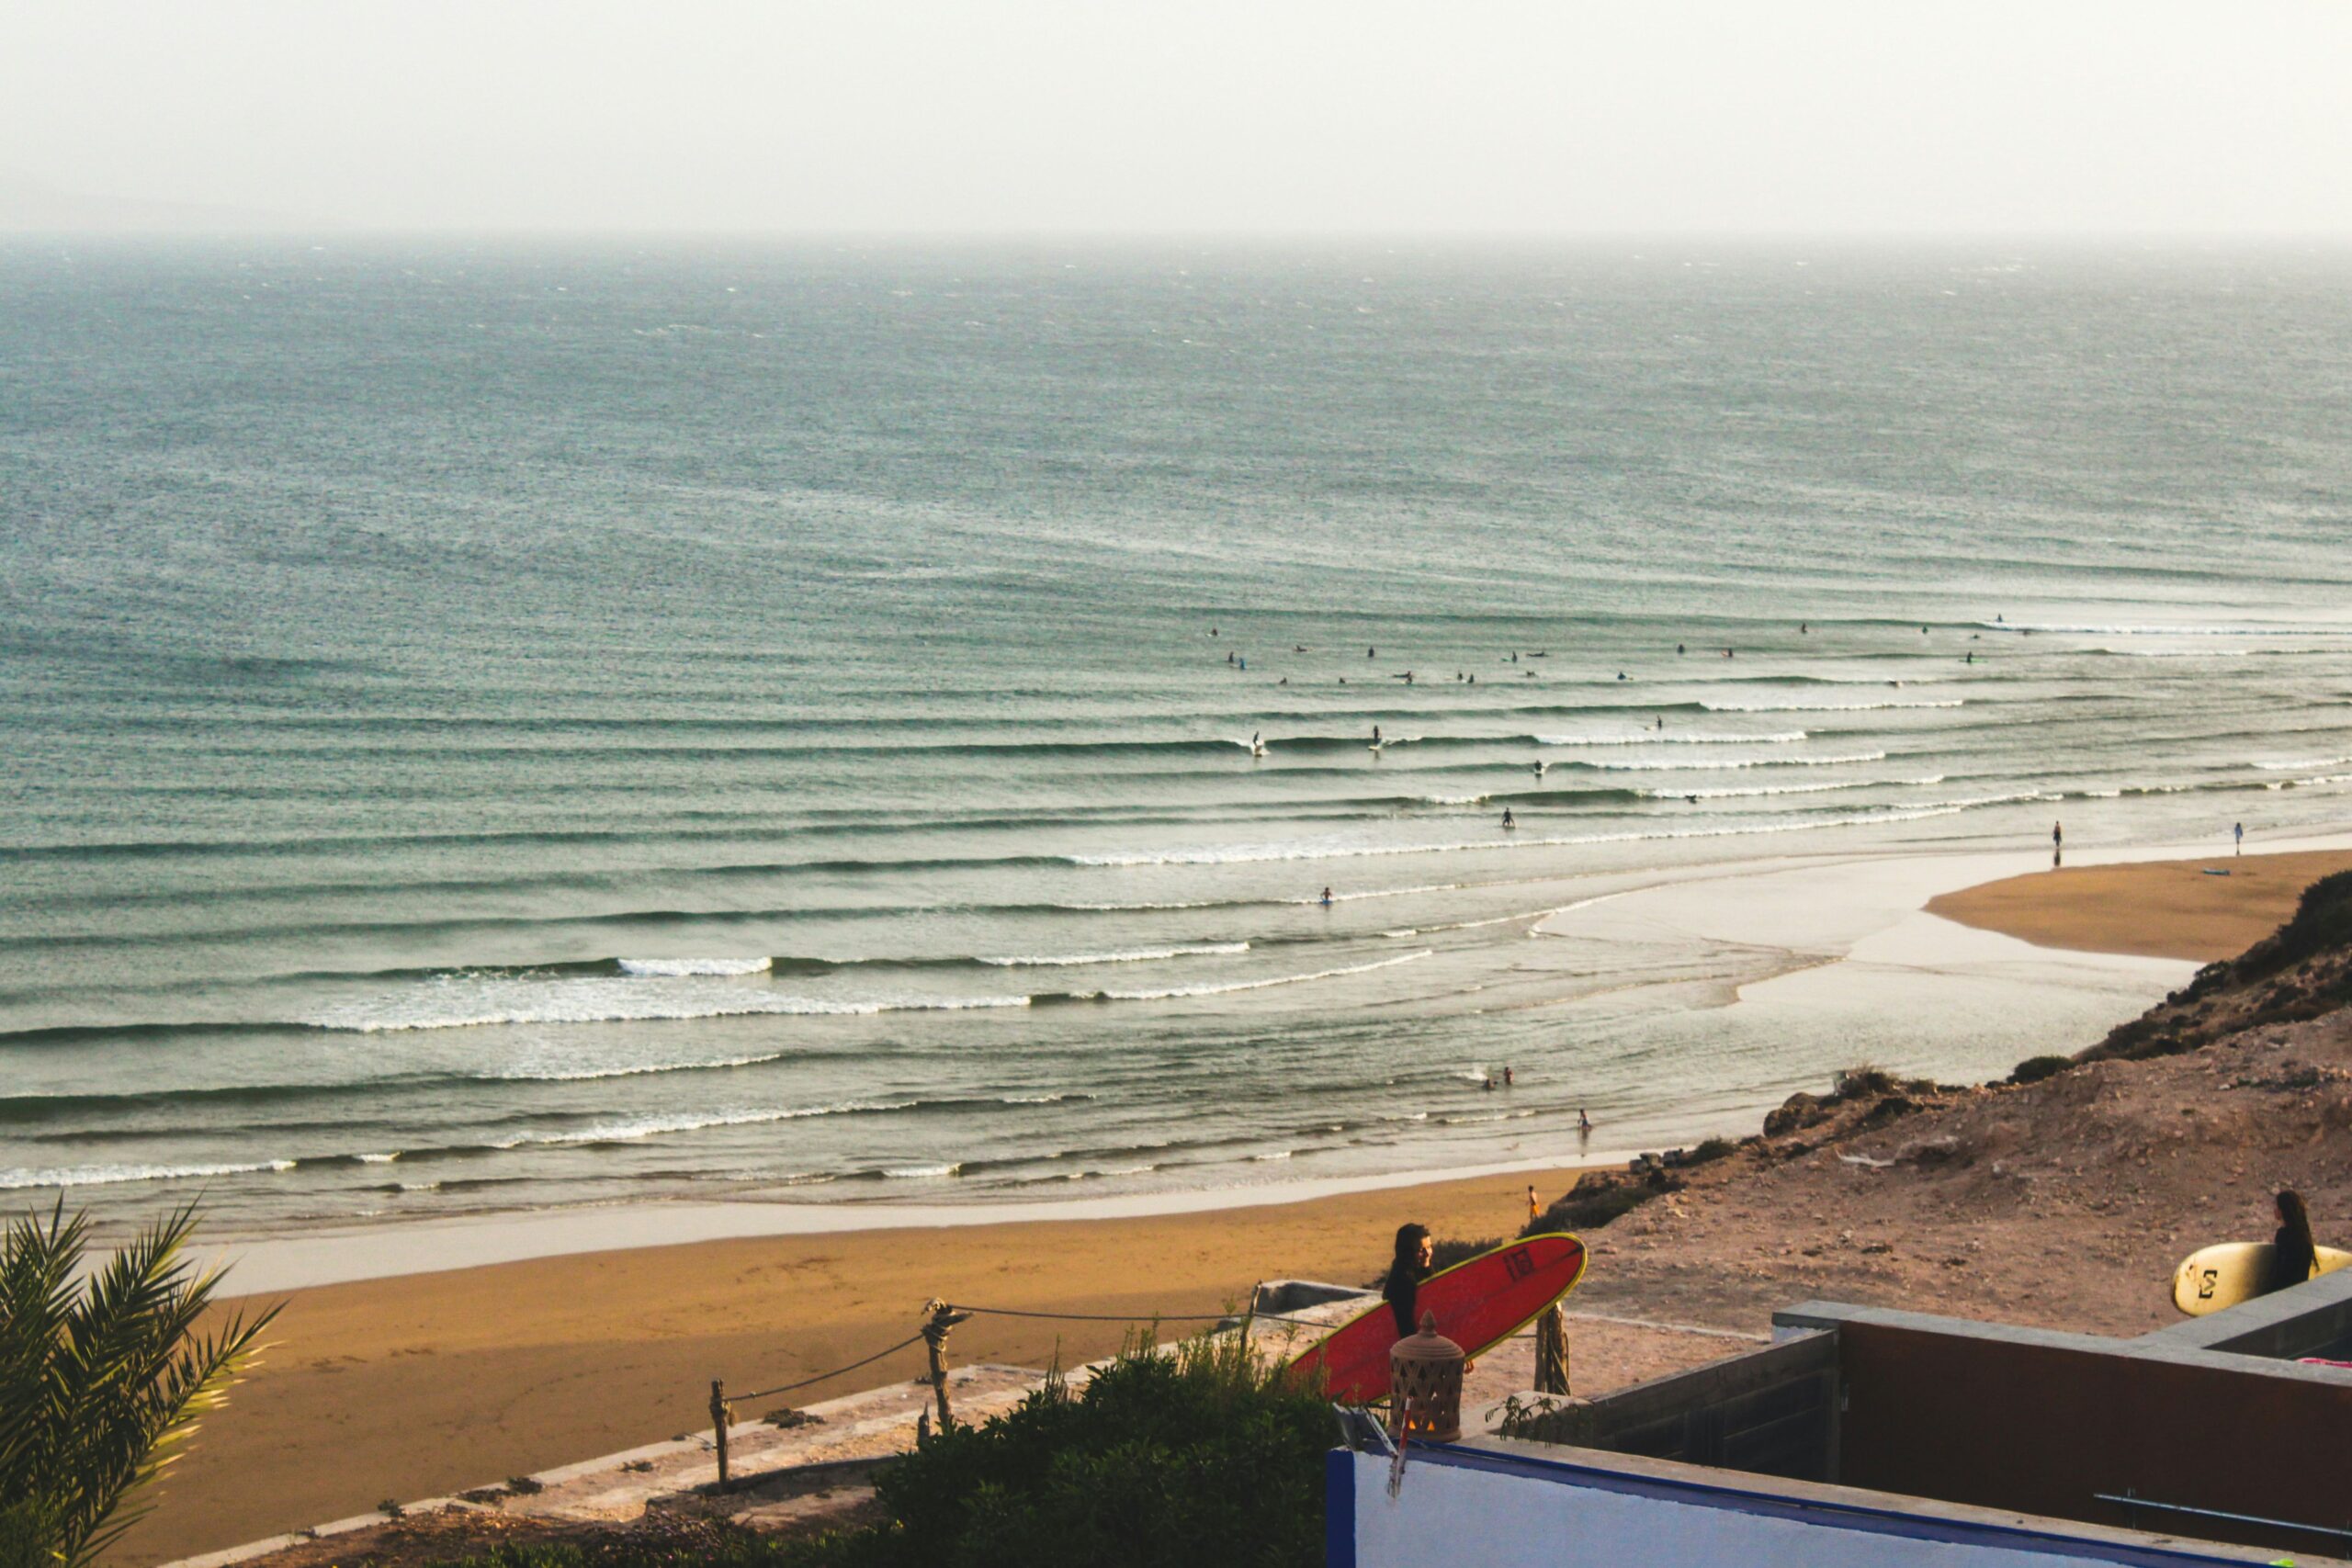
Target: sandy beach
418	1383
2148	908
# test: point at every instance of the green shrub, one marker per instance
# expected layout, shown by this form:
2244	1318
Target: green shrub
1162	1460
1710	1149
2033	1070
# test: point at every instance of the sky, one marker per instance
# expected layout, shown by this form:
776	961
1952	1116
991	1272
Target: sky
1112	116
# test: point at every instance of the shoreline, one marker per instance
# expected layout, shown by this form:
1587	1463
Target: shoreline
454	1352
1897	928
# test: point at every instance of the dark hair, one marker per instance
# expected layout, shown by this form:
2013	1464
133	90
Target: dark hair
2291	1209
1408	1245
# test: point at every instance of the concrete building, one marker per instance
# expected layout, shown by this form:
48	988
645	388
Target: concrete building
1871	1437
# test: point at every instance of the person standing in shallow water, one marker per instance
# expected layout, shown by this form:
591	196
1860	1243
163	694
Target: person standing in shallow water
2293	1253
1410	1266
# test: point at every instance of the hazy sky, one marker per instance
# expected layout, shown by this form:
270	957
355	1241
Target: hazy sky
1805	116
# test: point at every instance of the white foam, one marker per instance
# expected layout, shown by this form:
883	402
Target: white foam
1830	707
481	1004
1671	794
2306	762
1262	985
1131	955
1660	737
675	967
1713	765
589	1074
914	1172
628	1129
2158	631
107	1175
1249	853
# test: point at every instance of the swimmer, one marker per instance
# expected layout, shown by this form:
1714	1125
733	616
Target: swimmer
1621	674
1327	897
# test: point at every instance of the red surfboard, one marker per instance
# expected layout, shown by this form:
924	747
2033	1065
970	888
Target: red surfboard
1479	1304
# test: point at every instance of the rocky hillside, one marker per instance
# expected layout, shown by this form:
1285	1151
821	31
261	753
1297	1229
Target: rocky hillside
2061	1197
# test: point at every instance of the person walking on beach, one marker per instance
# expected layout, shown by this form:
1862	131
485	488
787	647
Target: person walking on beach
2293	1254
1402	1288
1533	1208
2240	831
1584	1122
2057	843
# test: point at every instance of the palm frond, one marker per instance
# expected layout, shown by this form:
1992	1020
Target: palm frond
103	1377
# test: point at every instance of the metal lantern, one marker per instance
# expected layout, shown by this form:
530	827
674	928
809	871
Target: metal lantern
1425	1386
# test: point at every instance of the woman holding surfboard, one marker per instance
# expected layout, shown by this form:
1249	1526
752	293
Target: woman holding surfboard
1415	1252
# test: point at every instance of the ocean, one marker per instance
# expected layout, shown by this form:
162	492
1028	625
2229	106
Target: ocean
494	727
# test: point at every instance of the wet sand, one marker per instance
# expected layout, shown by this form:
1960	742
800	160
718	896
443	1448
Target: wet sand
2148	908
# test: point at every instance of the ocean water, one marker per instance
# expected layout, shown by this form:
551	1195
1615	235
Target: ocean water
494	726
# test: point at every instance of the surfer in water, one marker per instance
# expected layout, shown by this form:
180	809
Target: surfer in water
1327	897
1508	823
2293	1253
1415	1252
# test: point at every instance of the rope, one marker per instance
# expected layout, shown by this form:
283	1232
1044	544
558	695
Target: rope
821	1377
1137	1317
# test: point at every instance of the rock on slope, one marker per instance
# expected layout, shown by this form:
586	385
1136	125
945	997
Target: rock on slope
2063	1202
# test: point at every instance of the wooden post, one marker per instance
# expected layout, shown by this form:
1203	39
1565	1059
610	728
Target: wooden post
1552	1350
722	1415
934	1340
1249	1318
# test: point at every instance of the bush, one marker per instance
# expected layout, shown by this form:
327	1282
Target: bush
1710	1149
1199	1455
1598	1197
1856	1083
2033	1070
